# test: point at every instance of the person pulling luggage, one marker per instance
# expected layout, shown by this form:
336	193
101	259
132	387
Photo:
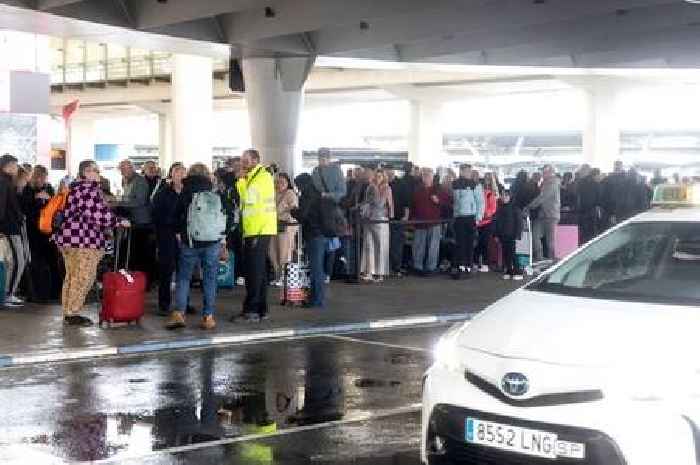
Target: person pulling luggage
82	241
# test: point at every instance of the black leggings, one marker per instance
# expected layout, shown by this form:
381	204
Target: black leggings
465	230
482	248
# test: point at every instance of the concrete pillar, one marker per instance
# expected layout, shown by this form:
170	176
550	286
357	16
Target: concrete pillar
165	153
425	144
601	134
275	98
81	143
191	109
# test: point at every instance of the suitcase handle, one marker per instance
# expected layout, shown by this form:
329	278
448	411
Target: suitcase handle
119	235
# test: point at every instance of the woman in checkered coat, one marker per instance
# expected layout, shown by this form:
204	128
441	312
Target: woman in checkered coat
81	239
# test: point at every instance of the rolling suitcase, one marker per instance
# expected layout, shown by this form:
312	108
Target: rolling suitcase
495	254
296	280
123	292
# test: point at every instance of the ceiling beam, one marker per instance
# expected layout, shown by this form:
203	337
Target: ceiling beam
621	50
44	5
297	16
584	32
494	14
152	14
205	29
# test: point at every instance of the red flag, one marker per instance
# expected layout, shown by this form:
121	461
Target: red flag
69	109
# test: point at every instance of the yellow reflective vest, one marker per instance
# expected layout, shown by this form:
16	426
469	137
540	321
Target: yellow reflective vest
258	208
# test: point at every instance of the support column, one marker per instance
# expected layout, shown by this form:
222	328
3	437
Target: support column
80	143
425	147
191	109
601	135
275	98
165	154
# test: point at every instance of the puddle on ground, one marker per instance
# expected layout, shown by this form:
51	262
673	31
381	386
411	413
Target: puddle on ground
141	405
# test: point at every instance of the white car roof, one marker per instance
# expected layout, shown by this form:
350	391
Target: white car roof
663	214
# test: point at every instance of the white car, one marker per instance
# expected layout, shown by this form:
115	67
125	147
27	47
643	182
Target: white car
596	362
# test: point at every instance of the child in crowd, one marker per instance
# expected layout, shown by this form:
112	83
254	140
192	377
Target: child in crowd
508	227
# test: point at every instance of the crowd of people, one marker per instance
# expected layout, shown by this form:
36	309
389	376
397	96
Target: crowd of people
369	223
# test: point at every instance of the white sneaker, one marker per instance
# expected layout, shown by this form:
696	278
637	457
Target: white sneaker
484	268
517	277
507	277
240	281
13	301
328	279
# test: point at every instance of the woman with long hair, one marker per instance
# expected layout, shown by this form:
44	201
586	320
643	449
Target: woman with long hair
12	227
485	225
81	239
379	206
46	276
165	201
282	244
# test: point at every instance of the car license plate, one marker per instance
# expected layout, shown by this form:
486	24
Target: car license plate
524	441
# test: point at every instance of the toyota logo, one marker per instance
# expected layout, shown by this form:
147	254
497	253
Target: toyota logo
515	384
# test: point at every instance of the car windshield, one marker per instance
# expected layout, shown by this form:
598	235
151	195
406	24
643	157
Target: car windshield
641	262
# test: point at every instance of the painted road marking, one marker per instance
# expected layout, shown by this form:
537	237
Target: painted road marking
376	343
356	418
71	355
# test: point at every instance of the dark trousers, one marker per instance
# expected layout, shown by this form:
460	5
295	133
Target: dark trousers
255	250
142	253
168	250
396	243
316	249
482	248
510	264
465	229
588	226
45	277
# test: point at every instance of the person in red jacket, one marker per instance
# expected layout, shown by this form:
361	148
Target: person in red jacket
484	227
426	241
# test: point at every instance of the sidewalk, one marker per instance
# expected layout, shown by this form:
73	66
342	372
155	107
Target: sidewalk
35	334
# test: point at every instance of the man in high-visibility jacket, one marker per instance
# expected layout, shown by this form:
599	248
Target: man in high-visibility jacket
259	222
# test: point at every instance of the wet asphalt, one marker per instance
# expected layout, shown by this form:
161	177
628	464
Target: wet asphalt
326	400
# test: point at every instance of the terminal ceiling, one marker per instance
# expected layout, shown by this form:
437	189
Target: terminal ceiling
560	33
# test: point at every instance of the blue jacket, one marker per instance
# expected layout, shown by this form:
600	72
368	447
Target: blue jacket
330	179
468	199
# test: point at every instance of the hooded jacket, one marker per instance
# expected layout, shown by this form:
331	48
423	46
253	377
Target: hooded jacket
468	199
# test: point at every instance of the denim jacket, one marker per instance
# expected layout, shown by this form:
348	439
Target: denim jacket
468	199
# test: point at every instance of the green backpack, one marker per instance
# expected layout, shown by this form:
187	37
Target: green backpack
206	220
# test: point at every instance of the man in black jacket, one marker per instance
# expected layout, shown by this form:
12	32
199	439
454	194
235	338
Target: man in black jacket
400	192
508	226
617	199
588	198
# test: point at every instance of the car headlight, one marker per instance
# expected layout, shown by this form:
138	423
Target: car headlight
446	351
662	384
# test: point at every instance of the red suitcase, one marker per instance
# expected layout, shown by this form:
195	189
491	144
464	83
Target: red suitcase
123	292
495	254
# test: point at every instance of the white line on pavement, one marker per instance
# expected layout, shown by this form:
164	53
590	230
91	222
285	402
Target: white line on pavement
359	417
376	343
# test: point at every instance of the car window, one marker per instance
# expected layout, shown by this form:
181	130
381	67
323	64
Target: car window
654	262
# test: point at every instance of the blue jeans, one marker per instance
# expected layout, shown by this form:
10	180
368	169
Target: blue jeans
317	255
426	240
208	257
